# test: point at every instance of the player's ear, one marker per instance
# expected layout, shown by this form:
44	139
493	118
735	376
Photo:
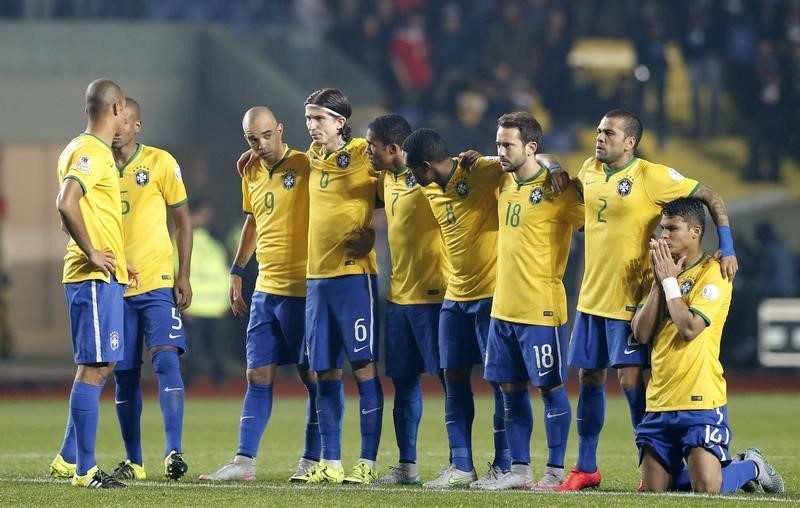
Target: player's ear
279	128
530	148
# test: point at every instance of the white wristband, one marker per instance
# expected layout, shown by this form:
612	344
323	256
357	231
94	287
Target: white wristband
671	289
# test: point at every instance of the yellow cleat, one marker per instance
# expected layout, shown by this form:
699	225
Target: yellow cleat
60	468
95	478
361	473
129	471
325	473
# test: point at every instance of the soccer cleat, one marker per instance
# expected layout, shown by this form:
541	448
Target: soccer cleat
174	466
95	478
129	471
400	475
60	468
552	478
506	481
451	476
491	476
303	467
579	480
240	468
768	478
361	473
325	473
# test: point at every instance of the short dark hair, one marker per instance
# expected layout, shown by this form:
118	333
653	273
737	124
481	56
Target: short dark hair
529	128
100	95
391	129
335	100
424	145
633	126
690	210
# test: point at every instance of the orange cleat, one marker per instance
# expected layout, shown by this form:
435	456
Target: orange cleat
640	488
579	480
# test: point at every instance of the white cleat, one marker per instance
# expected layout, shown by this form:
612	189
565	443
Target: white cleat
240	469
517	478
402	474
552	478
451	477
491	476
768	478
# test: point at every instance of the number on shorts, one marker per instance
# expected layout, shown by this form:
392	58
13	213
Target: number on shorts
544	357
360	330
177	317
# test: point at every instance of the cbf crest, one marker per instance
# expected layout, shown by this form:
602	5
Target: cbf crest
686	286
141	176
113	339
410	181
536	195
343	160
462	189
624	187
289	179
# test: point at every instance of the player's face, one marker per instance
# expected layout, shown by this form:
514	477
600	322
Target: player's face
265	137
381	156
611	140
323	127
678	235
422	174
128	129
510	149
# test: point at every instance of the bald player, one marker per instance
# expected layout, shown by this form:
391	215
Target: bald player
275	202
95	276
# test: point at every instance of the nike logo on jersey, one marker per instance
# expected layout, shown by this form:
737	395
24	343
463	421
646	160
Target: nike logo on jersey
554	415
368	411
356	350
630	351
546	372
168	389
174	335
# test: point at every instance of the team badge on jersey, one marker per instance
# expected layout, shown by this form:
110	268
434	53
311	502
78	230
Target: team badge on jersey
410	181
462	189
343	160
178	173
536	196
113	339
624	187
710	292
83	164
675	175
142	176
289	179
686	286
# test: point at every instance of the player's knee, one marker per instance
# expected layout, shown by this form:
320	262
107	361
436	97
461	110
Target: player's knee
592	377
260	375
630	377
166	361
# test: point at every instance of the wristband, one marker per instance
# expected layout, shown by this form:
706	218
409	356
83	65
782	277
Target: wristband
237	270
555	167
671	289
725	241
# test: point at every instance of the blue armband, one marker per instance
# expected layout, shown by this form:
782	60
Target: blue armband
237	270
725	241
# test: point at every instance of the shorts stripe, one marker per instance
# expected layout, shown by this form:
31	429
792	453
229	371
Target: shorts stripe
371	314
96	321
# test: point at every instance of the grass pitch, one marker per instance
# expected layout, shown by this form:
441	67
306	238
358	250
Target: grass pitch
31	431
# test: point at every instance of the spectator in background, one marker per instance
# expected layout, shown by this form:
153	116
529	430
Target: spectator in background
701	42
410	60
209	280
651	52
775	270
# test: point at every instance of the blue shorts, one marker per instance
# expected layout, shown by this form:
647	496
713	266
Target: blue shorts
518	352
464	332
96	319
151	318
275	330
340	321
599	343
671	435
412	339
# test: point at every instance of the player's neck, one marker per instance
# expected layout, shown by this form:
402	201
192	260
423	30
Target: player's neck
526	171
277	157
102	129
124	153
693	255
625	159
334	145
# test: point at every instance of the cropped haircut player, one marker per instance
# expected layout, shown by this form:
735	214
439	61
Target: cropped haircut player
632	127
424	145
390	129
529	128
691	210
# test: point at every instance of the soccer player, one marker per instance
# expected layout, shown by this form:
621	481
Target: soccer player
682	318
623	195
340	301
418	281
275	201
462	197
528	333
150	183
95	276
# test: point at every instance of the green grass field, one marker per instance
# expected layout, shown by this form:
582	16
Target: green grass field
31	430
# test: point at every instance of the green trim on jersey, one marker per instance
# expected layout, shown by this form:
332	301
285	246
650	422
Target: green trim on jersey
122	168
705	318
95	137
611	172
73	177
529	180
399	173
179	203
271	169
702	258
696	188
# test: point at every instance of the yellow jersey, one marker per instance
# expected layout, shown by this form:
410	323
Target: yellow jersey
342	189
419	269
623	207
465	208
277	197
90	162
149	183
533	242
687	375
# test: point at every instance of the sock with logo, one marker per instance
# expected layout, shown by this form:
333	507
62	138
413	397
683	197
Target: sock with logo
591	416
736	474
330	409
371	412
256	410
313	446
68	450
167	367
459	412
83	405
557	419
128	403
518	425
636	403
502	458
406	414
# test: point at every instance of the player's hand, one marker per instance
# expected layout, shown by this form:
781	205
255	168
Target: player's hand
663	264
359	242
243	161
133	277
729	265
558	180
236	300
468	158
183	293
105	261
